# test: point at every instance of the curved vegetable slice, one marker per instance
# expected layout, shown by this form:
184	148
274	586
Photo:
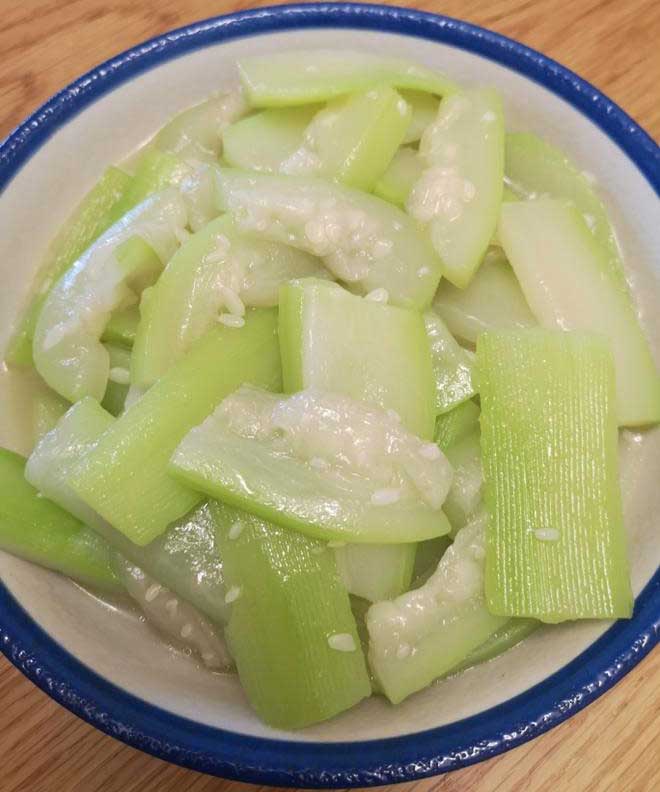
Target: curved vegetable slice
465	496
492	301
452	365
508	636
561	268
424	108
291	629
67	349
122	327
88	221
291	78
556	542
376	571
263	141
456	424
361	239
425	633
534	168
34	528
216	269
353	139
459	193
321	464
334	341
401	175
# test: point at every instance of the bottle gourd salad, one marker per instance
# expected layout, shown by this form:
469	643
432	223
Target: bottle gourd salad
332	383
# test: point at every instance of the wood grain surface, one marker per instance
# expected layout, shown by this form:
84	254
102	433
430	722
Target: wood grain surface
612	745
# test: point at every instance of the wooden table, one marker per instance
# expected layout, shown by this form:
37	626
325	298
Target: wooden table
615	743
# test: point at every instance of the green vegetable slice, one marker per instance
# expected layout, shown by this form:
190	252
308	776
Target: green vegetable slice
68	352
361	239
125	477
88	221
116	390
508	636
216	271
291	630
403	172
424	108
459	193
466	492
292	78
34	528
334	341
321	464
560	267
452	365
376	571
492	301
425	633
456	424
556	544
122	327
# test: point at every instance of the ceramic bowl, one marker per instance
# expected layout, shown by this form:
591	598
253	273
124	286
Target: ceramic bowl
106	666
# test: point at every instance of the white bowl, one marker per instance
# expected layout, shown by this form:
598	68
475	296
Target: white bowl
107	666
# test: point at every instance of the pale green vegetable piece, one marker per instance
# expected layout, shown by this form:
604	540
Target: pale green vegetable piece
361	239
376	571
88	221
508	636
291	630
456	424
47	409
424	111
263	141
452	365
534	169
460	191
67	349
425	633
353	139
465	495
144	437
321	464
118	378
402	173
556	543
301	77
492	301
216	271
560	267
427	558
122	327
334	341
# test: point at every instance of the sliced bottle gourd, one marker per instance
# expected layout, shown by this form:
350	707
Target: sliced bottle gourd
401	175
185	558
465	495
561	268
122	327
67	349
556	543
427	558
217	270
361	239
328	341
321	464
424	108
195	135
452	365
47	409
263	141
426	632
116	390
456	424
301	77
534	168
460	191
291	630
353	139
508	636
36	529
88	221
144	437
492	301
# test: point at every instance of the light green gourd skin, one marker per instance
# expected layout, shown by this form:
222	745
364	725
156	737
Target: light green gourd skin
460	191
374	242
145	436
188	297
37	530
287	601
556	544
452	365
508	636
88	221
492	301
398	180
306	76
560	266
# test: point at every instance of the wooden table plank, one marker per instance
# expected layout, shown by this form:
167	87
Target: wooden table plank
613	745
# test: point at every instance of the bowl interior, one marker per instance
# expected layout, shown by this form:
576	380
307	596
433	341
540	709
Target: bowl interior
116	644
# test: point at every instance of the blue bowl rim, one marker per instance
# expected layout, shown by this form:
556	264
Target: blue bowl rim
344	764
